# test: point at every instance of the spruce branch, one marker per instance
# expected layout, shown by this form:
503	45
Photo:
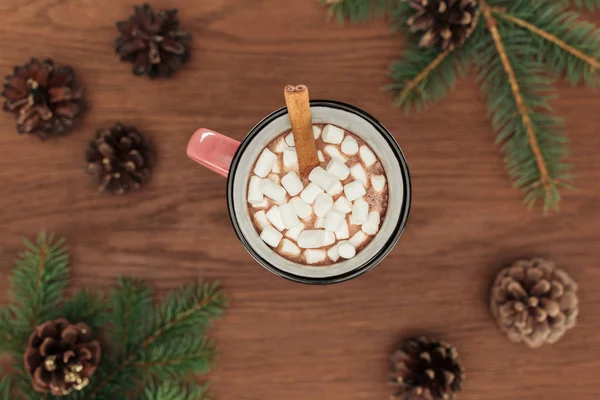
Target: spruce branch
9	339
6	387
38	282
173	390
359	10
85	306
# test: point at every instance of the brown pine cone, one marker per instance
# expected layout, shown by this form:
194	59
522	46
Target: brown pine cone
119	159
534	302
61	357
424	369
152	42
44	97
444	23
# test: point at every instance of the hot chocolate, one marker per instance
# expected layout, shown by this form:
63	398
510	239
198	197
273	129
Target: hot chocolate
329	217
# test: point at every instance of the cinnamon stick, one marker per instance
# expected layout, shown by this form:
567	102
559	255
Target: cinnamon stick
298	105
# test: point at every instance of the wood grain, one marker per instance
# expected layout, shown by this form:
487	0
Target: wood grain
280	339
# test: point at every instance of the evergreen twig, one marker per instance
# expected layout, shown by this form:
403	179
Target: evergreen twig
173	390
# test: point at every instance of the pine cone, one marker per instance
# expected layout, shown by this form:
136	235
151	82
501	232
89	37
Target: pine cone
425	369
444	23
44	97
119	159
150	40
61	357
534	302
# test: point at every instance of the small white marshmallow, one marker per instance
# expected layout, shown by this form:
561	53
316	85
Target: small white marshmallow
276	168
274	216
360	212
311	239
289	139
322	178
289	248
333	152
271	236
358	238
343	205
354	190
275	178
335	189
321	156
332	134
294	232
314	256
329	238
367	156
338	168
342	232
292	183
280	146
378	182
290	158
333	254
272	190
262	204
302	208
262	220
323	204
254	193
320	222
334	220
346	249
349	146
288	215
372	225
310	193
316	132
358	173
265	163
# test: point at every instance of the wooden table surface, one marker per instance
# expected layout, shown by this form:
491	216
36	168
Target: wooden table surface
278	339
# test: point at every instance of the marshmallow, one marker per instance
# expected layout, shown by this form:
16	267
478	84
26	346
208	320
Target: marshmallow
288	247
288	215
294	232
311	239
276	168
358	238
333	254
302	208
290	158
292	183
358	173
367	156
271	236
275	178
263	204
378	182
274	216
333	220
354	190
335	189
262	220
343	205
372	225
310	193
316	132
321	156
280	146
323	203
333	134
320	222
289	139
329	238
254	193
349	146
360	212
338	168
265	163
272	190
314	256
342	232
322	178
346	249
333	152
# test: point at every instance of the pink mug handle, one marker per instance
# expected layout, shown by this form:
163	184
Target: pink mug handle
212	150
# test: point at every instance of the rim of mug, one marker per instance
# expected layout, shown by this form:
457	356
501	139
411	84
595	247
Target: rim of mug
391	241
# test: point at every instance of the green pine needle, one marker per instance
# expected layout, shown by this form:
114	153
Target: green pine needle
6	387
359	10
10	342
85	306
170	390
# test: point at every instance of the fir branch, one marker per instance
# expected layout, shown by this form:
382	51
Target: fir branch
517	91
38	282
570	47
359	10
171	390
9	339
85	306
589	4
6	383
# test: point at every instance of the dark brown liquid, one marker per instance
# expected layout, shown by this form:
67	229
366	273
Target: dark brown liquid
378	201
